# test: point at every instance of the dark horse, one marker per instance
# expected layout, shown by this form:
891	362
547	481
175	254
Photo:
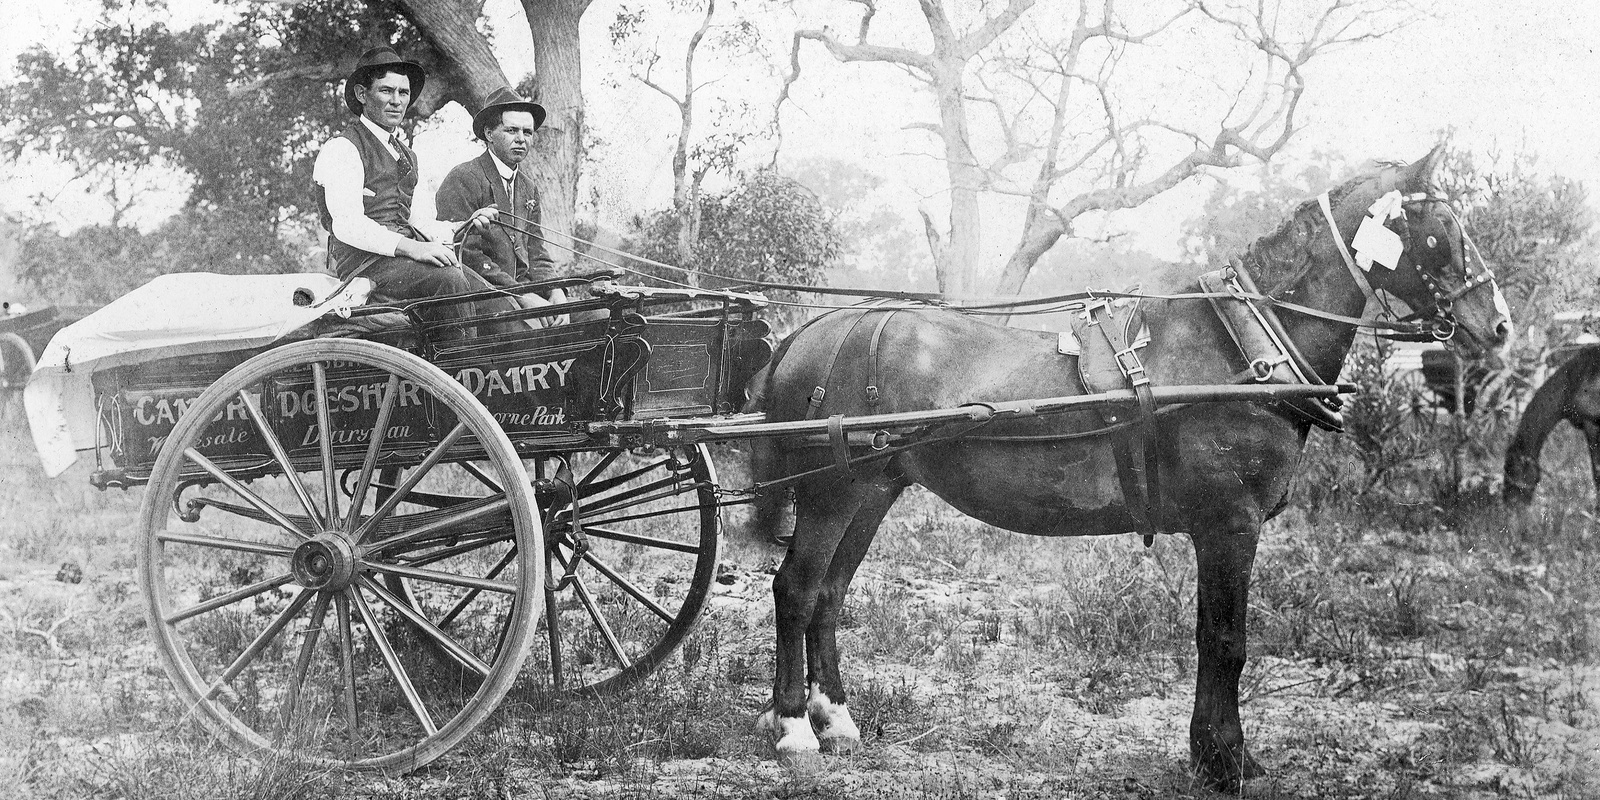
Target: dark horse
1226	467
1572	393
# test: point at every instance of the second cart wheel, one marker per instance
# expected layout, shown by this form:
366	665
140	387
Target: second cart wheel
634	538
269	599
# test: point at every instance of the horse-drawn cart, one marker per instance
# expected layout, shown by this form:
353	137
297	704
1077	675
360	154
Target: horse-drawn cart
354	547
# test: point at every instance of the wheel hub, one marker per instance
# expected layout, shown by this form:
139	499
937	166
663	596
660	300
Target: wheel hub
327	561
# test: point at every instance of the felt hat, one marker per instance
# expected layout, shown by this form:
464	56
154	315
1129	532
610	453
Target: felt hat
505	99
382	58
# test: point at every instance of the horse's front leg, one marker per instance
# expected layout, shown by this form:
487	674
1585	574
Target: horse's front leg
1223	558
823	510
827	707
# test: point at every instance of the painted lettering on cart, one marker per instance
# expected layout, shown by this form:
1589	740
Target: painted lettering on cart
151	410
355	397
539	417
208	443
520	379
354	435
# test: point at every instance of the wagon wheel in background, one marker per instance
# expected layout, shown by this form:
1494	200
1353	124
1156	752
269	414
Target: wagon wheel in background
650	533
16	366
268	600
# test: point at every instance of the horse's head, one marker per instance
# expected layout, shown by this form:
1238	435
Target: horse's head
1415	247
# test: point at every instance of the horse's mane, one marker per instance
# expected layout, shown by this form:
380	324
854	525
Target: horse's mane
1280	260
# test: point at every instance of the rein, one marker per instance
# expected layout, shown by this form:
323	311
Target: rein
1401	329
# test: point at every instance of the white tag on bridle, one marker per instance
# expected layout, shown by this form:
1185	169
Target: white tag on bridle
1374	241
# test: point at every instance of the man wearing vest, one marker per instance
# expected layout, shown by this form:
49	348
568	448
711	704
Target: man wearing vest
506	125
364	180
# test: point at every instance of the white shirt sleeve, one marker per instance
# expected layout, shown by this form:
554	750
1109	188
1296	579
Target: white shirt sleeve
339	172
424	214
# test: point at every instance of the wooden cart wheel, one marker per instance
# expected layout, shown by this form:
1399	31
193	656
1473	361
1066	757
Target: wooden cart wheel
629	581
651	542
269	600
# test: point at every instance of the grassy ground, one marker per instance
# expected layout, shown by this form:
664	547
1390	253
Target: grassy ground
1401	647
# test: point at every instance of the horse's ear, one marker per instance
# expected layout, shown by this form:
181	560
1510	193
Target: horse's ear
1421	172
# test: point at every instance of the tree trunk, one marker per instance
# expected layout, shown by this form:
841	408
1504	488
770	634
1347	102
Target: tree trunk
1040	232
957	261
558	86
469	71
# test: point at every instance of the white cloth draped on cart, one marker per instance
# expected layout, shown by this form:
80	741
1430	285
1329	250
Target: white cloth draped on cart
173	315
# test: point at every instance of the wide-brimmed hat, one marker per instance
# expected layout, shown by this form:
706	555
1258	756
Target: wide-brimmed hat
505	99
382	58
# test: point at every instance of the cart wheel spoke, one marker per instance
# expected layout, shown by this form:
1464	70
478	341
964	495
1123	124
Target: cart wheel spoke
441	524
627	586
302	663
397	671
239	595
451	647
221	543
375	440
347	668
330	480
581	589
634	495
252	403
614	534
260	643
245	493
467	599
432	460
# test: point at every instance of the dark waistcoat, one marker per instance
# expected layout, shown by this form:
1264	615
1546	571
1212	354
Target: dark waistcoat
387	200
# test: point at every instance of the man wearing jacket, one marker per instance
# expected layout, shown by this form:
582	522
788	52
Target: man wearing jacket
499	178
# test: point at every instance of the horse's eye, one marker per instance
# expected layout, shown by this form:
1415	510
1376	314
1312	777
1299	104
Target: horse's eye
1432	242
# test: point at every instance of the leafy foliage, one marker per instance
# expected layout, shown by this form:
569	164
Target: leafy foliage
232	107
1233	218
768	227
99	263
1537	233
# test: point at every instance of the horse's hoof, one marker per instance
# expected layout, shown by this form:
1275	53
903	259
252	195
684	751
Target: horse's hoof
840	745
801	762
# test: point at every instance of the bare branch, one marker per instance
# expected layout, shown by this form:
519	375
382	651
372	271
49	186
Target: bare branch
969	45
326	71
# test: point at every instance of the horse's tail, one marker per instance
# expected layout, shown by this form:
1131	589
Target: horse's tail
1550	404
774	508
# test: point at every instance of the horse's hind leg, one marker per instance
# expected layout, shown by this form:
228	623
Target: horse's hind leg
830	715
823	512
1224	555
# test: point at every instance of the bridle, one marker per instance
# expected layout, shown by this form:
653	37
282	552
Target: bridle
1434	320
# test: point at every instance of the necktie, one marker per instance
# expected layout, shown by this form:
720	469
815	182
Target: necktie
401	156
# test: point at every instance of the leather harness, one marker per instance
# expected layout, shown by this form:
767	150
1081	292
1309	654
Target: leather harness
1110	335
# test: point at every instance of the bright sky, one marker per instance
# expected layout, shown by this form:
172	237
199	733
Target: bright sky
1502	74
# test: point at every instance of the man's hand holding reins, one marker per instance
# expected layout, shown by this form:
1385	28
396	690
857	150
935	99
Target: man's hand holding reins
432	253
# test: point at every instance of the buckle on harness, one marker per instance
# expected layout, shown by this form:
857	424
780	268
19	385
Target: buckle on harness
1128	361
816	396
